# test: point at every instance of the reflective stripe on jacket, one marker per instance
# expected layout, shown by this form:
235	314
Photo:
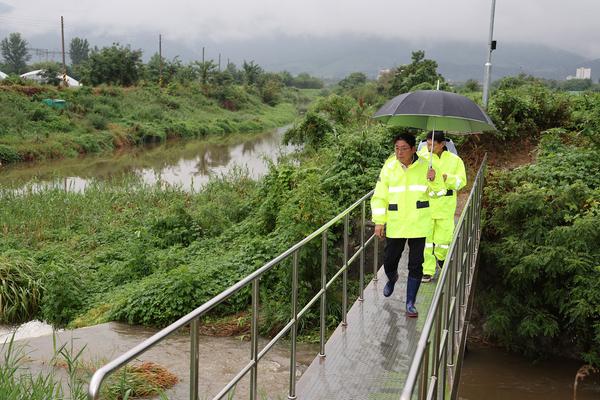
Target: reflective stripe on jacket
401	198
453	166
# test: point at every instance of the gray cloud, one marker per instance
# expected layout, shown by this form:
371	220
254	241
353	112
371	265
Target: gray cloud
5	8
550	22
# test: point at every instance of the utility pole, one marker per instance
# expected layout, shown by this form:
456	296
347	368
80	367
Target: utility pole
219	62
160	65
202	54
64	64
487	75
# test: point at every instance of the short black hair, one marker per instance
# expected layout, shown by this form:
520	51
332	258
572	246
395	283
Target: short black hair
439	136
408	138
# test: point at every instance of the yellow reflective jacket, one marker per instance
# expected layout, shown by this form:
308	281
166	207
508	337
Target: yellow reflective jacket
456	178
401	198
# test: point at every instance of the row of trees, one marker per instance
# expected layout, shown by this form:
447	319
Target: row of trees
121	65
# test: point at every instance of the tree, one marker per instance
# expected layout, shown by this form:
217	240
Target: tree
238	76
353	80
421	73
206	71
117	65
270	86
305	81
287	78
170	69
577	85
79	51
472	85
252	72
15	54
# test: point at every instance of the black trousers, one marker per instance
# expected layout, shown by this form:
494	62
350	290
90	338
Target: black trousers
393	251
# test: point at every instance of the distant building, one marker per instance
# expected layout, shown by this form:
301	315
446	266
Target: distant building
583	73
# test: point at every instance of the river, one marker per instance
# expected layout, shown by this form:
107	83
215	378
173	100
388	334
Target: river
493	374
188	164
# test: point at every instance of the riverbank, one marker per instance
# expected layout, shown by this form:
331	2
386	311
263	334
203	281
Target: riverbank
107	118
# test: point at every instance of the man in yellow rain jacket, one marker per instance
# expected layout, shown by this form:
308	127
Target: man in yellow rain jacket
400	207
443	208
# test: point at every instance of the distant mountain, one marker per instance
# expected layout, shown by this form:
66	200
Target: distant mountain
336	57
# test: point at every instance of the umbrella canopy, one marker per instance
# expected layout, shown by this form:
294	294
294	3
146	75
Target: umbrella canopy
435	110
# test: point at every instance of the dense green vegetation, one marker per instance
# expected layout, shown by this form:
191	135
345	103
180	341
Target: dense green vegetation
540	271
147	255
108	117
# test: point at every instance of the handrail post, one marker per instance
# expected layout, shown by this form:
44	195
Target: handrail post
194	359
375	257
424	372
254	340
437	341
324	295
294	329
345	273
362	254
454	284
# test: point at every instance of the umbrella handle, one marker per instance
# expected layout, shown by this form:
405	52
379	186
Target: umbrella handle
432	142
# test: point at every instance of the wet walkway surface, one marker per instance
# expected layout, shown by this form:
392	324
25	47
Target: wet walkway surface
369	358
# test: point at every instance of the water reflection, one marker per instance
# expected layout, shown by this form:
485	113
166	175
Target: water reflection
188	164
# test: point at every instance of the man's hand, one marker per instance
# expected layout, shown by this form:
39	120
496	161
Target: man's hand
379	231
431	174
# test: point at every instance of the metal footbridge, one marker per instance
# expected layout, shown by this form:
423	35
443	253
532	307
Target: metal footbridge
376	352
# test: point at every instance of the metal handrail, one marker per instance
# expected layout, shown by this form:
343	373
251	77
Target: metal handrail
192	318
449	313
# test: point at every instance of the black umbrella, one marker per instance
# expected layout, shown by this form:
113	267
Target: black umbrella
435	110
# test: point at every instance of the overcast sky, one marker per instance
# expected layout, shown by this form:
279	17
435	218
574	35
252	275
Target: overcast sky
570	25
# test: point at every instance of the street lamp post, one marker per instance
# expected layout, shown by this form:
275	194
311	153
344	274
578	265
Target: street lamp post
487	75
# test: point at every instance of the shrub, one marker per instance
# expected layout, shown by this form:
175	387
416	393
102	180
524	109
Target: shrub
64	292
21	289
540	269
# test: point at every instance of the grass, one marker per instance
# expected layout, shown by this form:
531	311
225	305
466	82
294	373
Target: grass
105	118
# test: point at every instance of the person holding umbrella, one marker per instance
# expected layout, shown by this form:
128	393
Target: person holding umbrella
401	212
442	208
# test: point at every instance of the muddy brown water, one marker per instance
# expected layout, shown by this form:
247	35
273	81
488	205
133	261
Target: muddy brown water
188	164
221	358
492	374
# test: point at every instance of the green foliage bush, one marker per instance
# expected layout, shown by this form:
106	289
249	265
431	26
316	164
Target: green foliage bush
64	292
540	269
527	110
21	288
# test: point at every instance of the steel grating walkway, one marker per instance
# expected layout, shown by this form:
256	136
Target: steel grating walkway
369	358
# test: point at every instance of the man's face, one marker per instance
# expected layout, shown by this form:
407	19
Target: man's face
437	146
403	151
